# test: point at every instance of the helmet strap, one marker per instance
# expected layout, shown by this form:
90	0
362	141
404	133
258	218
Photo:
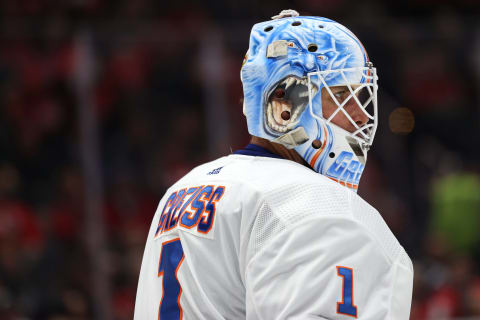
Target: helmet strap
292	138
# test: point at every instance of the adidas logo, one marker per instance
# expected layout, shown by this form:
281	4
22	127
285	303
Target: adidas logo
215	171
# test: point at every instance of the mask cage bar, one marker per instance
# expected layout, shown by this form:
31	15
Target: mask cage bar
366	131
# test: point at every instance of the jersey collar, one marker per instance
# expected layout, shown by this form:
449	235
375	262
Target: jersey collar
257	151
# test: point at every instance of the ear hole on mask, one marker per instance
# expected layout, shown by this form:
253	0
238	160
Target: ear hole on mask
312	47
279	93
296	23
321	26
317	144
267	29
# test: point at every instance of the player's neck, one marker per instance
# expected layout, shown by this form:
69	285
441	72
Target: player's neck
279	149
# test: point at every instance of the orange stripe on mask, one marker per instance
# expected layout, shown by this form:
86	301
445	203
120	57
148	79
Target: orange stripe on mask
353	186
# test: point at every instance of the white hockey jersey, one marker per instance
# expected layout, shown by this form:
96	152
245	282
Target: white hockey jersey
247	237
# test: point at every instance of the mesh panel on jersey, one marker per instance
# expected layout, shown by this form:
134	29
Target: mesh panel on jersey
295	203
405	259
292	204
369	217
266	225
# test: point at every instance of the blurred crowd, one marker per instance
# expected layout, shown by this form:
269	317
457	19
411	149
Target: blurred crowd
163	83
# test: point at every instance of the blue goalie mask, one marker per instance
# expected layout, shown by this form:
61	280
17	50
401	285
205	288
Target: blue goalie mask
309	85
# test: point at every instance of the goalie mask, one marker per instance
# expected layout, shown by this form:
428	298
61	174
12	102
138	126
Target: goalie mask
294	65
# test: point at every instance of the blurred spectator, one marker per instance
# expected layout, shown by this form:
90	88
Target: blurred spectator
456	211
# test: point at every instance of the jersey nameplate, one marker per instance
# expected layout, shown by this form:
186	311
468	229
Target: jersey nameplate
191	209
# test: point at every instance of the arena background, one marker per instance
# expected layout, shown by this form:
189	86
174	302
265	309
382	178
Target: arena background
103	104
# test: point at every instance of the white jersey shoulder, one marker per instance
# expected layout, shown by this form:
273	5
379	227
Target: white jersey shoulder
247	237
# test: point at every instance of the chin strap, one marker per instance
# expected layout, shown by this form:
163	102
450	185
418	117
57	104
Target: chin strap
292	138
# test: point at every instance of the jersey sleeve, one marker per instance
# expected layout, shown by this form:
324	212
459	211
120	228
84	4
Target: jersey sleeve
325	262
